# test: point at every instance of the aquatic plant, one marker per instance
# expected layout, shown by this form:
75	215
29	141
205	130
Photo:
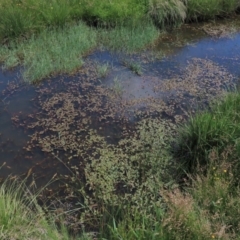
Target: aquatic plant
53	51
103	70
117	87
133	66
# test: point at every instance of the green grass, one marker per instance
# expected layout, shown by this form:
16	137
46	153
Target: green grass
102	70
47	38
128	38
111	13
44	38
216	129
206	9
51	52
165	13
25	17
61	50
22	218
208	208
133	66
117	86
205	206
22	18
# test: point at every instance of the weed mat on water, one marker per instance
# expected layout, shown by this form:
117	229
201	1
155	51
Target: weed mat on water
107	140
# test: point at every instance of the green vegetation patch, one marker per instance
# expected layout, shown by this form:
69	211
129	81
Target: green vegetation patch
129	38
22	218
212	131
111	13
206	9
61	50
22	18
53	51
206	205
165	13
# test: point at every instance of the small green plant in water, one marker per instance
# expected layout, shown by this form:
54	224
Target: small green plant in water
117	87
103	70
133	66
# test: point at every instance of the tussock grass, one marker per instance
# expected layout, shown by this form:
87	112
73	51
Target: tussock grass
165	13
205	207
205	9
22	18
102	70
218	128
111	13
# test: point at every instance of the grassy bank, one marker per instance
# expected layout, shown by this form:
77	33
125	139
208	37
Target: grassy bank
22	218
50	37
24	17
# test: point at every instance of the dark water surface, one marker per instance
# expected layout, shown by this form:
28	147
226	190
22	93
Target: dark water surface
191	66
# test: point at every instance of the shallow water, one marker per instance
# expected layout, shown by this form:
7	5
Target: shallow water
40	124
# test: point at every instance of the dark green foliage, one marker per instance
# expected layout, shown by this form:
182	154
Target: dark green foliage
205	9
216	130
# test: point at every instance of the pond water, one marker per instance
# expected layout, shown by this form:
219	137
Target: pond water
51	127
